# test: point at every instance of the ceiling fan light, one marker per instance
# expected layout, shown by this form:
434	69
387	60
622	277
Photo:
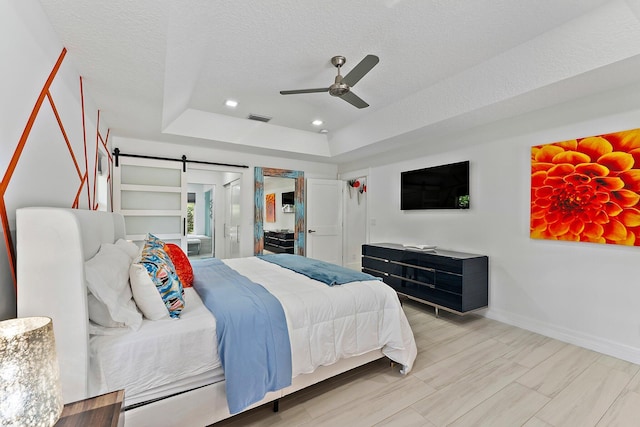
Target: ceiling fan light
317	122
338	89
231	103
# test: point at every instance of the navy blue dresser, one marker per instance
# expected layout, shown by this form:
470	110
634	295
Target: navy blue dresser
279	241
448	280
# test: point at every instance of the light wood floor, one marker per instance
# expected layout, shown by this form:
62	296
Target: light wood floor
470	371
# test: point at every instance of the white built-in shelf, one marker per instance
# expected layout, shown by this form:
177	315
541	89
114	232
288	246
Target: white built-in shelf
152	188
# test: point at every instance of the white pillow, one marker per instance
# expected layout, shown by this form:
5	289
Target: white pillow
145	293
99	313
107	276
129	247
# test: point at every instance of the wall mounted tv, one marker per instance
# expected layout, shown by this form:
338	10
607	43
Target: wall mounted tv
437	187
288	198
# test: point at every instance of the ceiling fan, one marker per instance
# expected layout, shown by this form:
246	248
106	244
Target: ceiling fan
342	86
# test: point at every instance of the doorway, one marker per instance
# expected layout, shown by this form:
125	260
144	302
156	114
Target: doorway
200	218
207	213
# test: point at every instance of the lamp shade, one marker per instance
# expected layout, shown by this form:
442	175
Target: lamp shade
30	391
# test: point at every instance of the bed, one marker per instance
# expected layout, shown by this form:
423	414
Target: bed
184	383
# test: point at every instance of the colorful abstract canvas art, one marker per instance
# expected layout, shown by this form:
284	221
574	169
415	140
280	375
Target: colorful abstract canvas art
270	205
587	190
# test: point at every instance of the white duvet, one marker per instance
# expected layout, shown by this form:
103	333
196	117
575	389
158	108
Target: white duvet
328	323
325	324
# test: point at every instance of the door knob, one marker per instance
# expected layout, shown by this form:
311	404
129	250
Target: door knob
312	231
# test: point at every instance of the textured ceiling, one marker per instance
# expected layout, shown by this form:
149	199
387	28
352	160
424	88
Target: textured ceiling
161	69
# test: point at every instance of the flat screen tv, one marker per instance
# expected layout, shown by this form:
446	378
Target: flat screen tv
288	198
437	187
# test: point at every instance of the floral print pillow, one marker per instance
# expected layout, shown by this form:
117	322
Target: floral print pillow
163	274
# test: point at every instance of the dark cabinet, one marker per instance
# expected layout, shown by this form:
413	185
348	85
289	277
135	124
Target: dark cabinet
453	281
278	241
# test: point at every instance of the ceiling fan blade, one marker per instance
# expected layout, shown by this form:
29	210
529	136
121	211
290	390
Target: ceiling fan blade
293	92
354	100
360	70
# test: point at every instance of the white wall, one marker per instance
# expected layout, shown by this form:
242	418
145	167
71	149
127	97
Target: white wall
310	169
354	227
45	173
587	294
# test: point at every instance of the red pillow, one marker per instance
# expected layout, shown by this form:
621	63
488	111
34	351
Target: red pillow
181	262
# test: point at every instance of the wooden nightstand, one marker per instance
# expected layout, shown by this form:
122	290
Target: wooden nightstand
99	411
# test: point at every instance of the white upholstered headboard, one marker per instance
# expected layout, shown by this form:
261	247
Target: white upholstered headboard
52	245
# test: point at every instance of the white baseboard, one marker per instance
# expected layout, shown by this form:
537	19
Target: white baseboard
591	342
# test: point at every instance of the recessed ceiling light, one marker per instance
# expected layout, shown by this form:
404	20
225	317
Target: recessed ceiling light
231	103
324	131
316	122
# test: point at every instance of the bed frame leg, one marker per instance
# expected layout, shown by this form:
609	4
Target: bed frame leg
276	405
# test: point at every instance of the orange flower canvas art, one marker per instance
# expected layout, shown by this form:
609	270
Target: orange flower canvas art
270	205
587	190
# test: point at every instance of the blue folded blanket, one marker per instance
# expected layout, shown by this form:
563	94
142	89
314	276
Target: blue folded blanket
253	340
322	271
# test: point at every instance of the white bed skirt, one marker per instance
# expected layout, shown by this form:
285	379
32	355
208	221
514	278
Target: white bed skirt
208	405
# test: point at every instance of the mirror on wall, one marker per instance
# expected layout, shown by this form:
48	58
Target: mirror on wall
266	213
102	180
279	214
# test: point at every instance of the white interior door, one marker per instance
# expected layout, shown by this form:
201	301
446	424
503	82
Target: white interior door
324	219
232	220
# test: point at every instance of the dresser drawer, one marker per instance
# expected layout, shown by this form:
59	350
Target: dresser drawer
383	253
449	281
425	293
384	265
421	275
435	262
419	258
376	264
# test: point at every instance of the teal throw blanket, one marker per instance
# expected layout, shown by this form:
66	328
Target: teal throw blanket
253	340
322	271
